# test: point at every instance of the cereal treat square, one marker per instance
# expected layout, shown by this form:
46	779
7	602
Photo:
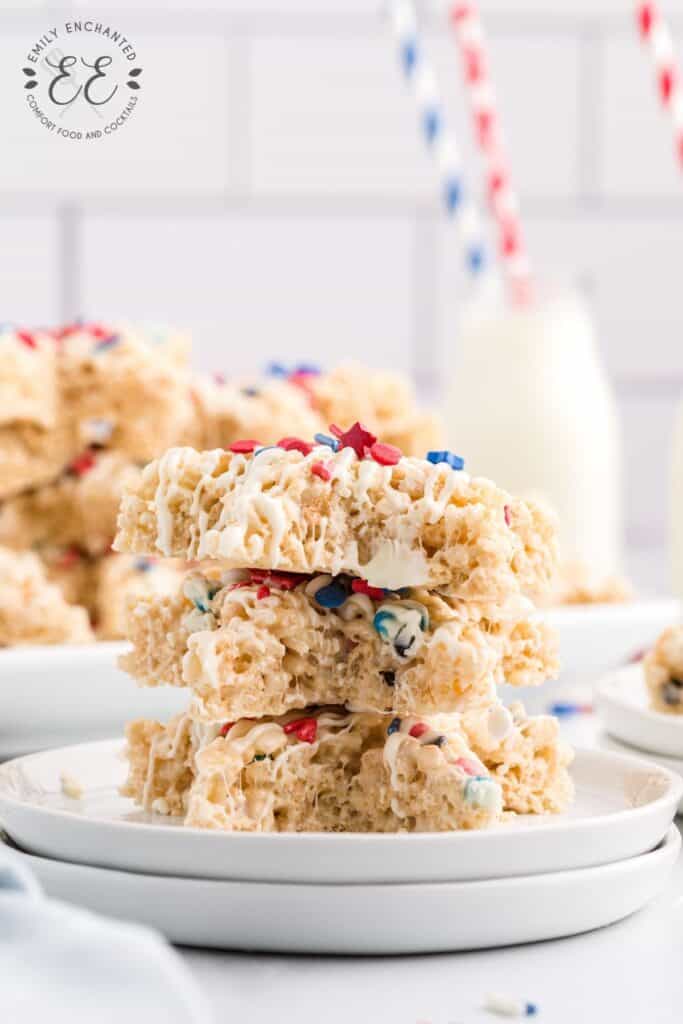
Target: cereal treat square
577	583
257	643
347	505
325	770
129	579
663	668
74	572
31	456
28	377
530	760
383	400
33	610
78	509
125	390
266	410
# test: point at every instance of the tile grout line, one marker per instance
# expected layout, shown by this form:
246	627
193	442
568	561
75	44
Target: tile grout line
70	284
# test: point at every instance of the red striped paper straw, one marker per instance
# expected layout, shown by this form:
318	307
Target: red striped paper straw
501	196
656	34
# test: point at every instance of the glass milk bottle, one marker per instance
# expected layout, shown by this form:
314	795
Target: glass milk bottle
531	407
677	504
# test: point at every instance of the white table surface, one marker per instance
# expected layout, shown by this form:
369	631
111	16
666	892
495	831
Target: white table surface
629	972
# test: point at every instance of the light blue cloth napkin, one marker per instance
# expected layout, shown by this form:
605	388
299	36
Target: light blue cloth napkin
63	965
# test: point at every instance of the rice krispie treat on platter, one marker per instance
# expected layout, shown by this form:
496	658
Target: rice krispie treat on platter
255	643
325	770
530	760
28	383
577	583
74	572
343	504
121	580
78	509
123	389
31	456
33	610
663	668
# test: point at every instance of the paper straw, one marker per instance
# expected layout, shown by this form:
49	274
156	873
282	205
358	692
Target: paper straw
657	37
440	140
501	196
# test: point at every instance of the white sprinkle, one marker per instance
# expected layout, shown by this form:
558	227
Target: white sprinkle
505	1006
159	805
71	787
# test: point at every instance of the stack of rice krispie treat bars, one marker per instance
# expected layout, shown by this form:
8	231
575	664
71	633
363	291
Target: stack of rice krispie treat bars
342	640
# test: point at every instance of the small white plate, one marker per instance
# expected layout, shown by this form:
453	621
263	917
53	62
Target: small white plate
623	807
367	919
50	696
604	741
622	705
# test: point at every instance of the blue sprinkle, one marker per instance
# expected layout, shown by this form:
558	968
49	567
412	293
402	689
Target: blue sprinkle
530	1009
265	448
331	442
277	370
431	123
332	596
409	56
563	708
107	343
251	392
454	461
475	258
452	194
394	726
142	564
311	368
440	741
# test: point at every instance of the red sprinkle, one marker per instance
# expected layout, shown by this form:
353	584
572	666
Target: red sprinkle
27	339
244	447
419	729
363	587
645	19
225	729
305	729
468	766
283	580
321	470
295	444
82	464
69	558
506	513
263	591
357	437
219	378
385	454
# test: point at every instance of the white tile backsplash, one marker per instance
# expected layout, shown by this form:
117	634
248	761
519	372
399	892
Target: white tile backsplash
253	289
29	287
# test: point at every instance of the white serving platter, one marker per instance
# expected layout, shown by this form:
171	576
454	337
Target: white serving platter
622	704
623	807
367	919
50	696
604	741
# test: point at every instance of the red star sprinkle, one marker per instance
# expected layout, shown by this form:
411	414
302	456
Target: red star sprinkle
27	338
295	444
419	729
321	470
82	464
244	447
263	591
305	729
357	437
385	454
225	729
363	587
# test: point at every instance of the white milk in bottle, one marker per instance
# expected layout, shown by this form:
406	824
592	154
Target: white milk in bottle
677	504
531	407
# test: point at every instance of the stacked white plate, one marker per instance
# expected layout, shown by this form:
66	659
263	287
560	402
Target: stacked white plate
631	726
528	879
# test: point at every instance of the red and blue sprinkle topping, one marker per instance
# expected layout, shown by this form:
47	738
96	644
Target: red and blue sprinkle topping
452	460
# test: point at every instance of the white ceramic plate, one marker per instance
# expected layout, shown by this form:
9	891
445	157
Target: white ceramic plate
604	741
50	696
623	708
367	919
623	807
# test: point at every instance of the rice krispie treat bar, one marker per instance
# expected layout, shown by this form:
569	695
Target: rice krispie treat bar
325	770
577	583
130	579
342	505
78	509
123	390
256	643
31	456
663	668
28	387
33	610
530	761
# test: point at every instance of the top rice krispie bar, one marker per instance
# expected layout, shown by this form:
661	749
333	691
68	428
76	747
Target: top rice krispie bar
663	667
28	382
344	505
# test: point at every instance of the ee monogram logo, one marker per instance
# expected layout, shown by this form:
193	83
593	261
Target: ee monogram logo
81	80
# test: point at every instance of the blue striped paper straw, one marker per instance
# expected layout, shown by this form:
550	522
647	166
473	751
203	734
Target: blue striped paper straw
440	141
